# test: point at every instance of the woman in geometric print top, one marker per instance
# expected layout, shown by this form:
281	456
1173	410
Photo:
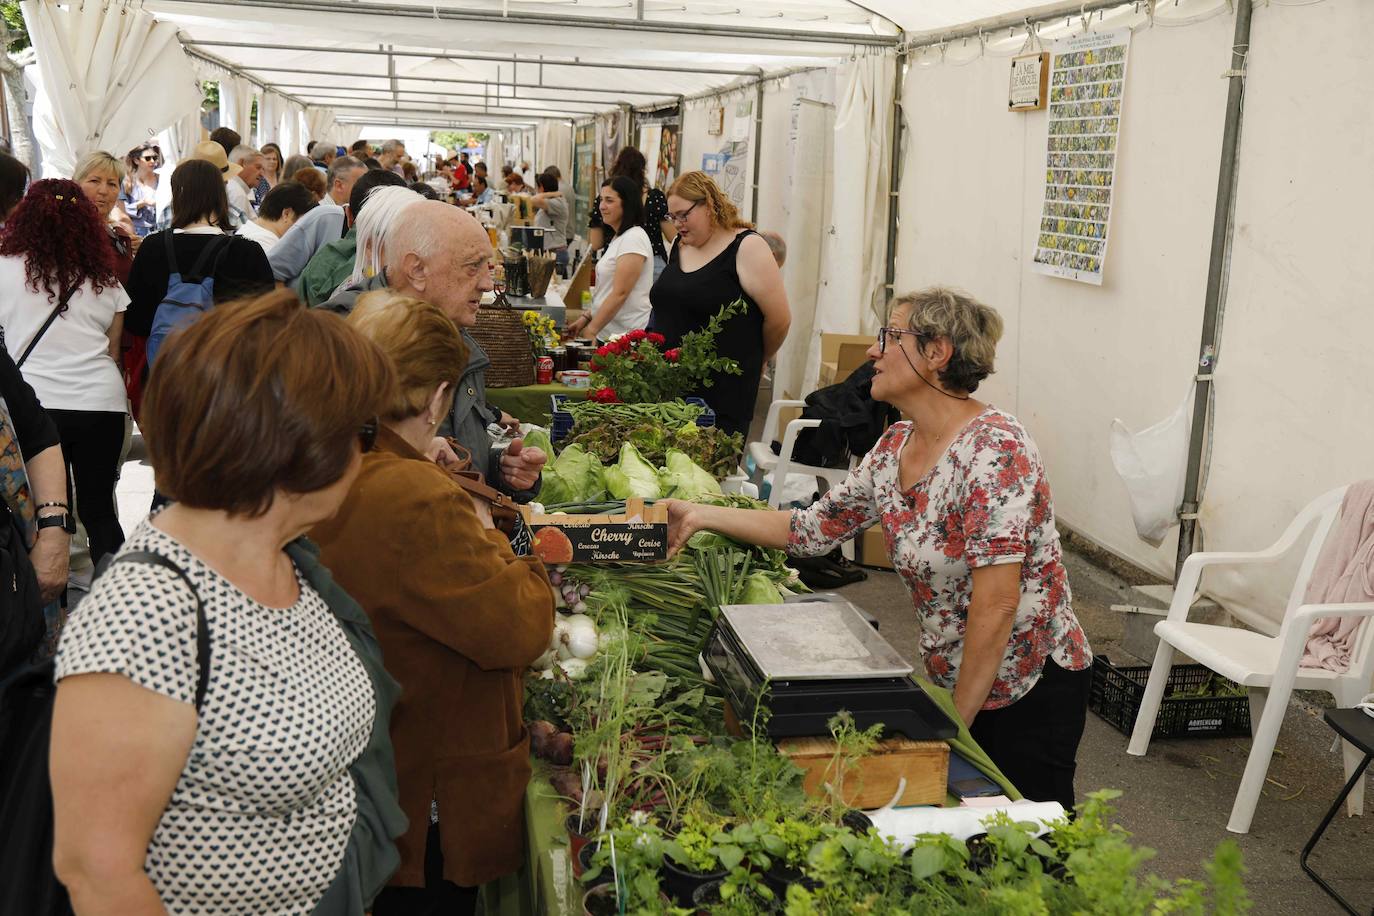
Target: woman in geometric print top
274	793
964	504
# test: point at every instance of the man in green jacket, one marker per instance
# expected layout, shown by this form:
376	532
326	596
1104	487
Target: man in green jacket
333	264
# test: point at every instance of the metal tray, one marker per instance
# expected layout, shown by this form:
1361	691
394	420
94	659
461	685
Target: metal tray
819	640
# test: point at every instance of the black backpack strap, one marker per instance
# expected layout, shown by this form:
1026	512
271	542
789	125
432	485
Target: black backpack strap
216	250
168	239
202	627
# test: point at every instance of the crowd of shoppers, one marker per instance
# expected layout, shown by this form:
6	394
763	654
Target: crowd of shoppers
316	376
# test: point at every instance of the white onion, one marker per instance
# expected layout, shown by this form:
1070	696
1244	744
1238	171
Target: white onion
574	668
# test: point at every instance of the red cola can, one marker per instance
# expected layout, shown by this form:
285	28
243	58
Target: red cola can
543	370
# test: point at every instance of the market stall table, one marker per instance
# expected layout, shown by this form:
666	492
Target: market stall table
532	403
546	886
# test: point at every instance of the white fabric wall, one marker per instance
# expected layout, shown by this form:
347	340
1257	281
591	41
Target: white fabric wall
554	148
116	77
853	263
1294	362
236	104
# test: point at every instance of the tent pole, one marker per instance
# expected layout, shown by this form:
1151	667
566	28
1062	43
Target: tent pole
758	149
599	65
1216	283
434	79
457	14
894	180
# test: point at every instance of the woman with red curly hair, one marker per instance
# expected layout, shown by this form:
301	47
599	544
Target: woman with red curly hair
62	308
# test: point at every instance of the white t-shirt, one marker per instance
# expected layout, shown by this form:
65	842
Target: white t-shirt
264	237
71	368
240	201
634	314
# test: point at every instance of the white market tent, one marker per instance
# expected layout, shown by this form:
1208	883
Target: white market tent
825	97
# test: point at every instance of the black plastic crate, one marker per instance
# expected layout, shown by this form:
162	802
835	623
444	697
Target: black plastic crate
1116	695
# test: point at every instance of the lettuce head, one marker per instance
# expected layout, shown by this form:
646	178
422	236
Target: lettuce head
573	477
684	479
632	476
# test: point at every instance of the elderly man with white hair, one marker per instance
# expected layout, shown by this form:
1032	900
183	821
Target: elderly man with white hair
441	255
240	187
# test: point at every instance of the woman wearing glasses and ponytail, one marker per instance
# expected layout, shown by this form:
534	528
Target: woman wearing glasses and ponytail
964	503
717	259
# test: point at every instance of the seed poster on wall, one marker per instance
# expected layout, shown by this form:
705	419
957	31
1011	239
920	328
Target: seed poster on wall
1087	81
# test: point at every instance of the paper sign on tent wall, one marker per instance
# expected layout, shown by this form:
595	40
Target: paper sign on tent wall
1087	82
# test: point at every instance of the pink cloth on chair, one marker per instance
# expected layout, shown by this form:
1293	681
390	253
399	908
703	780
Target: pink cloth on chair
1344	573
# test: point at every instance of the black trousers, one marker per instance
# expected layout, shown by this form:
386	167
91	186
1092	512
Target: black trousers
1034	741
437	898
91	443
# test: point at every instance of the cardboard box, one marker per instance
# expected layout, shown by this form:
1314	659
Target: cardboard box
560	539
581	281
872	549
841	354
874	781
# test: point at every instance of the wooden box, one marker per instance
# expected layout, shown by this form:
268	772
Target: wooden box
841	354
873	782
873	548
560	539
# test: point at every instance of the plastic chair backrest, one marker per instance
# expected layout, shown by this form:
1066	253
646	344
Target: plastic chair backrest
1323	511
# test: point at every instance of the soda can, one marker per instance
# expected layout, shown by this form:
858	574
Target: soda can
543	371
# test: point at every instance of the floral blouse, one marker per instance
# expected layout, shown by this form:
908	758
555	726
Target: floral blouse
984	503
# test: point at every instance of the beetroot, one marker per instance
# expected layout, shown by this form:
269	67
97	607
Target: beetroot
540	733
559	749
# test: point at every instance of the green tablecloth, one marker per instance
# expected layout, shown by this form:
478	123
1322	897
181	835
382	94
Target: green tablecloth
546	887
530	403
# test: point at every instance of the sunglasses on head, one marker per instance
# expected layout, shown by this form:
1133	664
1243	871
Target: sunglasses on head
367	434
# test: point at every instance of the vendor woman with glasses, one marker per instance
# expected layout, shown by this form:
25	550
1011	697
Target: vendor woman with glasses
717	259
965	508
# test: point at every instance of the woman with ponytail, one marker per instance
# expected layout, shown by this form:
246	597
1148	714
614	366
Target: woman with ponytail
717	259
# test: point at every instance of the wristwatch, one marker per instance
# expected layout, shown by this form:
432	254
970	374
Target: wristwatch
64	521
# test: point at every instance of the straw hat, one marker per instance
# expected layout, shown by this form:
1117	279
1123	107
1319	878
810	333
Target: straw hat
213	153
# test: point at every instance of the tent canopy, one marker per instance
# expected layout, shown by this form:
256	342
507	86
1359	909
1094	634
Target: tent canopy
502	63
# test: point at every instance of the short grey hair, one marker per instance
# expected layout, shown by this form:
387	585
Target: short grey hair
776	245
391	146
340	166
973	329
243	153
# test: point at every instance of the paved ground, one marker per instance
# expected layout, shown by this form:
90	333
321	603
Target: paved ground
1178	798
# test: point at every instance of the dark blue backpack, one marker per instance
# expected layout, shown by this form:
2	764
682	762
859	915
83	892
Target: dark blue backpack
188	295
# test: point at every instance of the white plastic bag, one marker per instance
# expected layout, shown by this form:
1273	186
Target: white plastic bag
1153	464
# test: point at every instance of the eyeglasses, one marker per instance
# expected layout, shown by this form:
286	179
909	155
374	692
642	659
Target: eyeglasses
885	332
148	158
680	218
367	434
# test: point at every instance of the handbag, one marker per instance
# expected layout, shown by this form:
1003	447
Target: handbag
505	515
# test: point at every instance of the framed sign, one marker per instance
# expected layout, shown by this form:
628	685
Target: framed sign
1030	82
715	121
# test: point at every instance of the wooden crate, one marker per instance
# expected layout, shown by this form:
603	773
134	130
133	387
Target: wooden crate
873	782
562	539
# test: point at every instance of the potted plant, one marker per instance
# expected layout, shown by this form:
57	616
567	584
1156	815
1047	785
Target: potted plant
702	851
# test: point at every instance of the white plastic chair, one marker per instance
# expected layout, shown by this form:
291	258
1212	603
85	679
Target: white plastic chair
782	464
1267	666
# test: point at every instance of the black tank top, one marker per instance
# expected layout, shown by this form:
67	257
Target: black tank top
684	302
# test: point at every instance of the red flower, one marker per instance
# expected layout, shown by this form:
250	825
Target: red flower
657	340
596	365
603	350
636	335
604	396
673	355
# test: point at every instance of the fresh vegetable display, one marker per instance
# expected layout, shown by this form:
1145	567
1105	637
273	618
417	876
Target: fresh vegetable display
715	451
680	820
